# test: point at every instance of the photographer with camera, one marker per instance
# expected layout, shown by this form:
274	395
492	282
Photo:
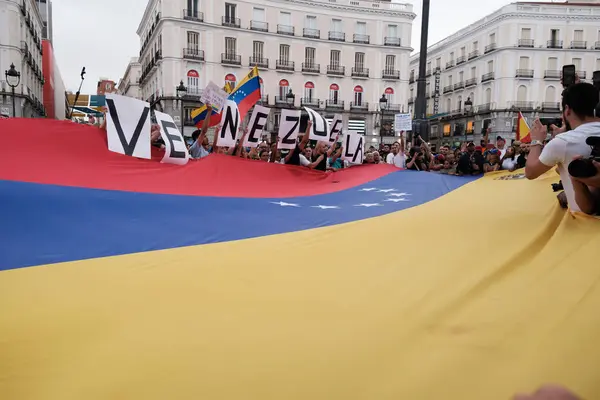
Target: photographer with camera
578	103
585	177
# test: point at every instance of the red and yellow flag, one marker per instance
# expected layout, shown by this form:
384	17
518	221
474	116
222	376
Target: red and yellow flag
523	131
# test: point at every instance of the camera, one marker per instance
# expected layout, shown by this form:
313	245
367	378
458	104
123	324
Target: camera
557	187
584	168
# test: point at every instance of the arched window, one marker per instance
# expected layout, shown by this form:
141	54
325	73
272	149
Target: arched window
459	103
550	94
522	93
488	95
193	81
334	91
309	89
358	95
389	95
284	88
230	81
448	105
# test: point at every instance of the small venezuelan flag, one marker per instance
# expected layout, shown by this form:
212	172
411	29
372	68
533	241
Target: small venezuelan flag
246	94
523	129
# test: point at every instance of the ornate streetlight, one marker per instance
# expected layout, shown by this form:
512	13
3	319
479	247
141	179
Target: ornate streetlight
13	78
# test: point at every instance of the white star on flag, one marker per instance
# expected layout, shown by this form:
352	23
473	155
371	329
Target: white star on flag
368	205
368	189
399	194
325	207
385	190
284	204
396	200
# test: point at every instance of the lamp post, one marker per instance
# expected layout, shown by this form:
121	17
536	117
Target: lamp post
468	105
382	106
420	123
13	78
290	98
181	91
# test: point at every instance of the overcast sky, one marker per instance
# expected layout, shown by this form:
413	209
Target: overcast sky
100	34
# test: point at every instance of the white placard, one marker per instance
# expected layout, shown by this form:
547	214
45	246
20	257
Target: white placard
215	96
320	128
175	149
257	123
353	148
289	125
230	122
128	126
402	122
335	128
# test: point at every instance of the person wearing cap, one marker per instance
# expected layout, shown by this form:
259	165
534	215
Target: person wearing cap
578	105
471	162
501	145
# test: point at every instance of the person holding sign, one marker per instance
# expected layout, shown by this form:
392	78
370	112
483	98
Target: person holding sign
200	148
397	157
321	155
293	157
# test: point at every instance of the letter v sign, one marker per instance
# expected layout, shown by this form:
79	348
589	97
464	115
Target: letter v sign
128	111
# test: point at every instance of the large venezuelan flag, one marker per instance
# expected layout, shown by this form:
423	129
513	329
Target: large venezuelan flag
233	279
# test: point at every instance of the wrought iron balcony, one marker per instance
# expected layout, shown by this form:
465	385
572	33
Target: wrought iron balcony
461	60
411	78
459	85
360	38
391	108
450	64
334	104
359	106
311	33
526	43
524	73
490	47
484	108
193	54
522	105
390	74
554	44
487	77
448	88
579	44
337	36
283	100
473	54
581	74
258	62
231	59
411	100
285	30
339	70
392	41
360	72
309	102
471	82
548	106
230	21
192	15
597	45
260	26
284	65
311	67
428	73
264	100
552	74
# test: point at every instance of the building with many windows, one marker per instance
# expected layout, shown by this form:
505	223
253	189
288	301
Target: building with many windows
129	85
21	44
507	62
337	56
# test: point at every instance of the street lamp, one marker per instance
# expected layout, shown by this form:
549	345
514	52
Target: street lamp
382	102
13	78
468	105
290	98
181	91
382	105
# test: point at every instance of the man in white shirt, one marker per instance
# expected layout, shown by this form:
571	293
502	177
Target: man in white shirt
501	145
578	105
397	156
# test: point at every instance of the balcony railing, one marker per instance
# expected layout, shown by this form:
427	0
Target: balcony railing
490	47
526	43
411	78
360	72
283	100
231	22
264	100
524	73
361	105
428	73
391	74
193	54
473	54
258	62
392	41
311	67
310	102
579	44
459	85
522	105
411	100
260	26
311	33
285	30
554	44
450	64
284	65
360	38
581	74
471	82
391	108
448	88
158	55
337	36
547	106
484	108
337	104
461	60
551	74
336	70
597	45
192	15
487	77
231	59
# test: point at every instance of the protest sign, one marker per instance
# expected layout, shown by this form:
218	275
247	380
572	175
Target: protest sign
230	122
402	122
215	96
320	127
353	148
289	125
128	126
335	128
175	149
257	123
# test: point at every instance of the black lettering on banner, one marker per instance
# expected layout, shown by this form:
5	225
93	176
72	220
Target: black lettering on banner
128	148
171	138
319	125
286	139
347	149
230	123
359	149
335	131
259	124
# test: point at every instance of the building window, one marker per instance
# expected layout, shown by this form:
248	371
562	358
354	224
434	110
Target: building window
488	96
361	28
311	22
448	105
492	38
334	58
284	53
577	63
285	18
193	38
450	80
390	63
334	91
309	89
359	61
522	93
463	51
192	5
447	129
284	88
490	66
461	76
523	62
438	62
554	35
578	35
552	63
309	56
230	47
475	45
392	31
336	25
389	95
193	81
526	33
358	94
550	94
230	12
258	50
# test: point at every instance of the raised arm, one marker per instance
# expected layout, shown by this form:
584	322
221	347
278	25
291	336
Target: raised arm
401	141
306	136
332	147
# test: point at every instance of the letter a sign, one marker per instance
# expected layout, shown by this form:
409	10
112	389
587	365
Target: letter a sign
353	148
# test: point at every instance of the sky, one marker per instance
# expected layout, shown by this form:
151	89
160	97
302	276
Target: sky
100	34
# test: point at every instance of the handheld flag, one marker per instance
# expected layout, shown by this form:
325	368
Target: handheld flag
523	129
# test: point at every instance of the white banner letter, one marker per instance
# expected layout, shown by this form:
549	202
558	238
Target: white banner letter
335	129
128	126
320	128
289	124
353	148
230	122
257	123
175	150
